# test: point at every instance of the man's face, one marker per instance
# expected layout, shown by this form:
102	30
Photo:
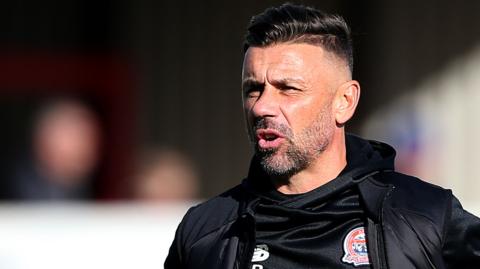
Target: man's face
288	93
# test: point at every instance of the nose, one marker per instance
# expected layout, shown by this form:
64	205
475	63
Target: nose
266	105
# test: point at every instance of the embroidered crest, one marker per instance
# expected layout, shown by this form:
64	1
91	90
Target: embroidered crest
355	247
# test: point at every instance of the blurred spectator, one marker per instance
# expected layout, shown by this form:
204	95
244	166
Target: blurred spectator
65	151
165	175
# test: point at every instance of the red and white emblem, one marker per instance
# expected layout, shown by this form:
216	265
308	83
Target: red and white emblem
355	247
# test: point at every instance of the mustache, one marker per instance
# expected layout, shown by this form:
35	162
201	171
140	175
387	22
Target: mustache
264	123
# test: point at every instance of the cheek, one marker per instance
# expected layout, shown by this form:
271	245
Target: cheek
301	115
298	114
248	119
247	108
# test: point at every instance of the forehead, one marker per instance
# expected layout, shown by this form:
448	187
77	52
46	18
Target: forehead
285	58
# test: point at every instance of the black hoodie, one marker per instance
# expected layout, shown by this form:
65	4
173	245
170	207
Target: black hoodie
320	227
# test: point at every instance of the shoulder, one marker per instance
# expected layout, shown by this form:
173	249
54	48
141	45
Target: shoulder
415	193
419	205
222	207
397	192
205	222
211	215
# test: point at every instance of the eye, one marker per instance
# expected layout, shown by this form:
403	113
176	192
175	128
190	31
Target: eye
289	89
252	92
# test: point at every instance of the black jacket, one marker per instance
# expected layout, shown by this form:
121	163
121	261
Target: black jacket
410	223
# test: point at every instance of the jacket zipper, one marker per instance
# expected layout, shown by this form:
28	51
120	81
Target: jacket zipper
247	242
382	257
375	238
376	247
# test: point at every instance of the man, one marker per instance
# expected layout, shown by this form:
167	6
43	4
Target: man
316	197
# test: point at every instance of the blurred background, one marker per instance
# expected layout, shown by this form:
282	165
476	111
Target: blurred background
116	116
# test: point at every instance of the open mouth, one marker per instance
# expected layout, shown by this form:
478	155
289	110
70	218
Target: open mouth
268	138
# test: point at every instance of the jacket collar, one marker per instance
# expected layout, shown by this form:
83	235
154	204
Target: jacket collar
372	194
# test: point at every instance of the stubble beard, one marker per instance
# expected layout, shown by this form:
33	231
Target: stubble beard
297	152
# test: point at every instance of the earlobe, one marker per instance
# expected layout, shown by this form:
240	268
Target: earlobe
347	97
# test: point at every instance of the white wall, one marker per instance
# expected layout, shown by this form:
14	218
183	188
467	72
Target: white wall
91	236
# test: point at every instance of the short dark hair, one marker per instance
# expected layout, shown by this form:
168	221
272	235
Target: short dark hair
301	24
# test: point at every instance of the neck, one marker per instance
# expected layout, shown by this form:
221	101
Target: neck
326	167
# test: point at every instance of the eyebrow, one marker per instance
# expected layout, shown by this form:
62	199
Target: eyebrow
288	81
251	83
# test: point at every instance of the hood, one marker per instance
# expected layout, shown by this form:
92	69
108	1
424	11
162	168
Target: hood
367	156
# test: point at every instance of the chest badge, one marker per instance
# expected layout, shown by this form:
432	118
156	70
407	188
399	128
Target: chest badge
355	248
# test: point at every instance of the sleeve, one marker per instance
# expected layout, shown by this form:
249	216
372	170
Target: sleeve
176	256
174	259
461	247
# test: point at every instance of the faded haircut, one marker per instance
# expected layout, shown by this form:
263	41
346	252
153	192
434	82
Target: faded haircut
301	24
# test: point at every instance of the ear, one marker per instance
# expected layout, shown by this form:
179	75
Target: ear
346	100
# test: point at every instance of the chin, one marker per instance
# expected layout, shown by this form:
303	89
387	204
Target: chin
278	165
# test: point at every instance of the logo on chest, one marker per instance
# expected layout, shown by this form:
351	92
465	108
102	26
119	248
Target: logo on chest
355	248
260	254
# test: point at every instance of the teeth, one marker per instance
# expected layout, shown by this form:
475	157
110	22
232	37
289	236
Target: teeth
270	137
